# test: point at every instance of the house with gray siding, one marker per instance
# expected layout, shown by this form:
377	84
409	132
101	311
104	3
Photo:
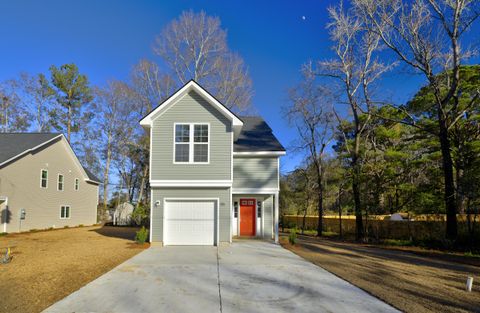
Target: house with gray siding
43	184
214	175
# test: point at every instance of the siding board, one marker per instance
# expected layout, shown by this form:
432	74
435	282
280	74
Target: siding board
192	108
255	172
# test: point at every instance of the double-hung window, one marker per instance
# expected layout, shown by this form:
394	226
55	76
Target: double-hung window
44	179
60	182
65	212
192	143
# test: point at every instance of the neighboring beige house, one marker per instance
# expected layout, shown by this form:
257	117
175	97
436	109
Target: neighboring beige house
43	185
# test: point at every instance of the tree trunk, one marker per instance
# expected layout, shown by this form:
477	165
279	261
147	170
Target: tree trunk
105	176
142	185
450	202
69	123
320	197
356	199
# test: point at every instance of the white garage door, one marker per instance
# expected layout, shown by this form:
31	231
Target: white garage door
189	222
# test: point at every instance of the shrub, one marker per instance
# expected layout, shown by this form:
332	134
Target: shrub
66	226
80	225
292	238
142	235
141	215
3	234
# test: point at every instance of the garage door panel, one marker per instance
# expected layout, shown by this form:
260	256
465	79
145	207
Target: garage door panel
190	222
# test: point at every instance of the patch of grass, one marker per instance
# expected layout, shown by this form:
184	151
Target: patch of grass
3	234
398	242
471	254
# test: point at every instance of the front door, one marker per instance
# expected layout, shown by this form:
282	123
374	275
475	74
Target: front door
247	217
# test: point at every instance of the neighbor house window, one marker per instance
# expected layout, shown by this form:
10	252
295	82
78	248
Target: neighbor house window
235	209
77	184
191	143
60	182
44	179
65	211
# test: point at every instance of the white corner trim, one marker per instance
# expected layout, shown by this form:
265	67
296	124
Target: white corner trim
191	85
254	190
190	183
5	201
260	153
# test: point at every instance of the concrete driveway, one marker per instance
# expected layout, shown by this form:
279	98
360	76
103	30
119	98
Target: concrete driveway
247	276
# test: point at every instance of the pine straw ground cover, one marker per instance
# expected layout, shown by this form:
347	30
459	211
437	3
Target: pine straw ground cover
49	265
412	281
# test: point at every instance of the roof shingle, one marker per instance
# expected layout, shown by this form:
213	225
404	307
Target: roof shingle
256	136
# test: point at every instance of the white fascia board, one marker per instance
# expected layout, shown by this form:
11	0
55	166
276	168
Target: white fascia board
254	190
192	85
191	183
260	153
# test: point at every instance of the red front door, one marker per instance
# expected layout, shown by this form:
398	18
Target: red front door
247	217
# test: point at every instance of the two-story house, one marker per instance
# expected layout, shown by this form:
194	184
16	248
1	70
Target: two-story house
43	184
213	175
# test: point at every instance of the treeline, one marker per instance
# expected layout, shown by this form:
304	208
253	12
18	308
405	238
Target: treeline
366	154
102	122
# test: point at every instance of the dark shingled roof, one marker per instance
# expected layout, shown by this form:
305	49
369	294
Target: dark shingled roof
91	176
14	144
256	136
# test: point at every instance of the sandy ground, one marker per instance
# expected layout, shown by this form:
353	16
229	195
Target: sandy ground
408	281
49	265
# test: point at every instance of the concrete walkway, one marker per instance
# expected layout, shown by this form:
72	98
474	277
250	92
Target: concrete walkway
247	276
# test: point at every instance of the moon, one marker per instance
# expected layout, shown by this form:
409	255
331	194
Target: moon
303	17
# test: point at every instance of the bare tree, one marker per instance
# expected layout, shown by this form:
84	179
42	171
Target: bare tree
310	112
426	36
356	68
39	96
152	87
115	110
13	116
195	47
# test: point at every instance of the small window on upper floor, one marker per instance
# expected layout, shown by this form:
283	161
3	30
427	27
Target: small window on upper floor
60	182
77	184
44	179
192	143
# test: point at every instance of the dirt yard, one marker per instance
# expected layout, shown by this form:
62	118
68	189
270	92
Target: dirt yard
409	281
49	265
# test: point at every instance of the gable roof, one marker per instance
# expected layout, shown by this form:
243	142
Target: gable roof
16	145
192	86
257	136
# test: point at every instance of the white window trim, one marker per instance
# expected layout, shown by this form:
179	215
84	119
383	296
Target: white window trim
63	182
191	144
76	184
69	212
41	178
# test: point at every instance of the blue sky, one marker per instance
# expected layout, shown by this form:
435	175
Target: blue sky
106	38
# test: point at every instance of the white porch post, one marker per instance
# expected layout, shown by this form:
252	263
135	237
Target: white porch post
276	216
